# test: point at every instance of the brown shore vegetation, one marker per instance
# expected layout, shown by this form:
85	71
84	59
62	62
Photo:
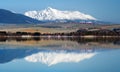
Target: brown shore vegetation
79	33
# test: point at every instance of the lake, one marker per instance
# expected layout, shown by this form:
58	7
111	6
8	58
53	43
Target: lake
66	54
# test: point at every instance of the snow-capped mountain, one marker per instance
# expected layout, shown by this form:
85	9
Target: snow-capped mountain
52	58
51	14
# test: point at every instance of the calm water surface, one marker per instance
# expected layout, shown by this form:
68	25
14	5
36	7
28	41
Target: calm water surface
59	55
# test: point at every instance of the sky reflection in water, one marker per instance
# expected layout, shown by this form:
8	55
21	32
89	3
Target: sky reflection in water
60	55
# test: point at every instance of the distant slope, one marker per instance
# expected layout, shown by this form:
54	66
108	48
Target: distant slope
14	18
54	28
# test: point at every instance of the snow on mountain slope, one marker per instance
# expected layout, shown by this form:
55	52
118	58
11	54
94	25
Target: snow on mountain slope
54	14
52	58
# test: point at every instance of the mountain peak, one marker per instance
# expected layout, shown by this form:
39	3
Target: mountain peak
51	14
49	8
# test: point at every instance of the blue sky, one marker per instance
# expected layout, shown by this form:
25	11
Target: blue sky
107	10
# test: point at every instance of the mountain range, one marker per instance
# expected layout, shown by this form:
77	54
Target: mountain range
51	14
54	15
47	15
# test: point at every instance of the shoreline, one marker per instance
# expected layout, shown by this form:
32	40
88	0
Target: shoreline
49	36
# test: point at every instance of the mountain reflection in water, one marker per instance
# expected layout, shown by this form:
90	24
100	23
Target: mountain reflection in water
52	51
54	57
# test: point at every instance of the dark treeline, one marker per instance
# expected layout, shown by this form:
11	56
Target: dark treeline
19	34
80	32
104	40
